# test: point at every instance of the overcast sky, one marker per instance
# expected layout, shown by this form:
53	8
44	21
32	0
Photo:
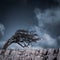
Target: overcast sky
22	14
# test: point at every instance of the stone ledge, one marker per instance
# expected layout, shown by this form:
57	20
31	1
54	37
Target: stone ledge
31	54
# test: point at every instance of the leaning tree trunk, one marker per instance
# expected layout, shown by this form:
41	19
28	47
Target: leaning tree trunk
21	37
6	46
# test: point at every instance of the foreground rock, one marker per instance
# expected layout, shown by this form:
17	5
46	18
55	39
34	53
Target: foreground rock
31	54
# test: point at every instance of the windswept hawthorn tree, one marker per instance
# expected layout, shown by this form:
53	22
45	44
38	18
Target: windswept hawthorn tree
22	37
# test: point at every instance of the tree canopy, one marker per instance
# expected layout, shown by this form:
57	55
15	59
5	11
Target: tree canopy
22	37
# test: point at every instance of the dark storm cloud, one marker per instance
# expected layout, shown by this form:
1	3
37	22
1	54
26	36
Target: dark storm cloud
49	18
16	14
31	3
44	4
48	27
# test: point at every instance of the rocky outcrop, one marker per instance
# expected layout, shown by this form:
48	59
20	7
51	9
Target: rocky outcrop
31	54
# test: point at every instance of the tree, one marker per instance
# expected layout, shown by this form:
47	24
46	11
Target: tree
22	37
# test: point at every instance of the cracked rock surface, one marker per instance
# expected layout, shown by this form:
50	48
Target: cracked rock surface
31	54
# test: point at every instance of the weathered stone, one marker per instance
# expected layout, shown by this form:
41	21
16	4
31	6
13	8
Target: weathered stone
31	54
